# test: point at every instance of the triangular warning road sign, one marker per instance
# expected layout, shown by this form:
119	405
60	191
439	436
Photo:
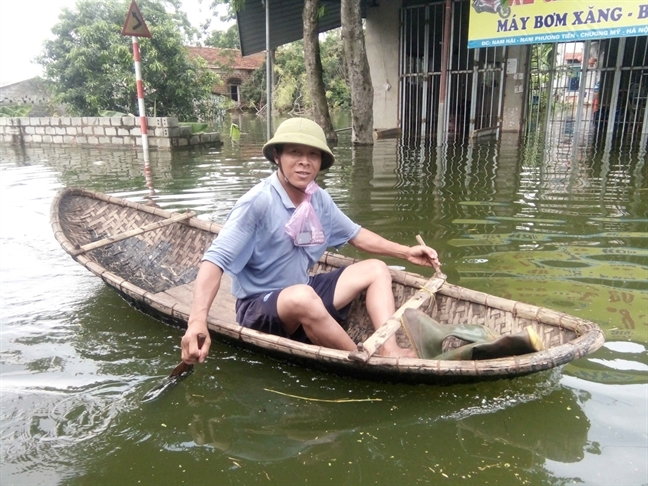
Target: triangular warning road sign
135	25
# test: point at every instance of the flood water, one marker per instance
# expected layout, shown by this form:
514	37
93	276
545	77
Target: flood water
539	224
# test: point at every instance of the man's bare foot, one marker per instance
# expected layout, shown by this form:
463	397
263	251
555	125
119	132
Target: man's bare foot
397	352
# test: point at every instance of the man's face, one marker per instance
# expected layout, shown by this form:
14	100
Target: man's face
299	163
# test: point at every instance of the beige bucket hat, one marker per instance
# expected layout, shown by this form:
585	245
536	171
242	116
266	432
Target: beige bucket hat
302	131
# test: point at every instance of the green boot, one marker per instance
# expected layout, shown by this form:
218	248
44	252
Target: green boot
524	342
427	335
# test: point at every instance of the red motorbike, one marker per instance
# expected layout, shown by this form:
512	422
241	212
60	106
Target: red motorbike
500	7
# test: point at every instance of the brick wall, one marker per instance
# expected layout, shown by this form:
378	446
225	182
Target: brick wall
164	133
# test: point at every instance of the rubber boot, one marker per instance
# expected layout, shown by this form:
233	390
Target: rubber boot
427	335
524	342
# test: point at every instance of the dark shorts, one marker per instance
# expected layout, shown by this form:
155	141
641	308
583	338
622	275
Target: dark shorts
259	311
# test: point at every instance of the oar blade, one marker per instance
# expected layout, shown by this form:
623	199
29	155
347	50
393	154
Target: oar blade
179	373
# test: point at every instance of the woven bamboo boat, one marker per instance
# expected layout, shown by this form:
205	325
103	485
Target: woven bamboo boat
151	257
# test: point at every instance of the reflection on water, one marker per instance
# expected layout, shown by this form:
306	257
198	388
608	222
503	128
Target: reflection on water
545	225
561	437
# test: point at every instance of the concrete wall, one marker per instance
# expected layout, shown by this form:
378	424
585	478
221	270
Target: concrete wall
515	85
163	132
382	43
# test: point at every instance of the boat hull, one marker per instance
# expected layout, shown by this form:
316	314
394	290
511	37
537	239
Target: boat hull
154	264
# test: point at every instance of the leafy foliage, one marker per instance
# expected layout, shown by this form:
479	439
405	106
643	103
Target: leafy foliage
14	111
90	63
228	39
291	92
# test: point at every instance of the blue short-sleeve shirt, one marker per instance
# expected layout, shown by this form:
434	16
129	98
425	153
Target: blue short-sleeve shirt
254	249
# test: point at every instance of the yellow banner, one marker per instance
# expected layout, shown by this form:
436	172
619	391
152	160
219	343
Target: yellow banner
514	22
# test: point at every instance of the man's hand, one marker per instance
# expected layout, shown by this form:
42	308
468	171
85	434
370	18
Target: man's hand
372	243
205	290
192	352
423	255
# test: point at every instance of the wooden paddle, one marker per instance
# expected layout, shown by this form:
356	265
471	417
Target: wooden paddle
437	270
178	373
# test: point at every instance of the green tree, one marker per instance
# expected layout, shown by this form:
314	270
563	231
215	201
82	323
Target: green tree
314	70
291	93
228	39
90	64
359	75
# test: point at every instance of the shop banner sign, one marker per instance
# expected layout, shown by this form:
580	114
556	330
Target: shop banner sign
515	22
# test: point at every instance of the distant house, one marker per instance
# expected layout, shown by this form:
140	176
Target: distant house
33	95
232	68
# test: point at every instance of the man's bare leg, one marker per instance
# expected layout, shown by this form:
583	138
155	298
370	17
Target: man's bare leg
300	304
372	275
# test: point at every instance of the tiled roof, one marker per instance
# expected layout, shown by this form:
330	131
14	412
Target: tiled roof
230	58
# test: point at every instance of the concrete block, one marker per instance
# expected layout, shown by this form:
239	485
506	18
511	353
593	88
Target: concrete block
54	121
3	121
195	140
60	130
37	139
164	143
82	139
71	130
104	140
136	132
7	138
104	121
98	130
30	130
27	138
205	137
34	120
50	130
93	140
57	139
171	122
66	121
110	131
117	140
39	130
47	139
24	121
69	139
153	121
185	131
174	131
129	121
87	130
123	132
76	122
116	121
182	142
162	132
152	141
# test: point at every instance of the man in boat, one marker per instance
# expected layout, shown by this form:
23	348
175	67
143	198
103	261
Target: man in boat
269	269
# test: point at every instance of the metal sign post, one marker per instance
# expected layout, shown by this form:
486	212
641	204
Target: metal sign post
268	73
135	27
